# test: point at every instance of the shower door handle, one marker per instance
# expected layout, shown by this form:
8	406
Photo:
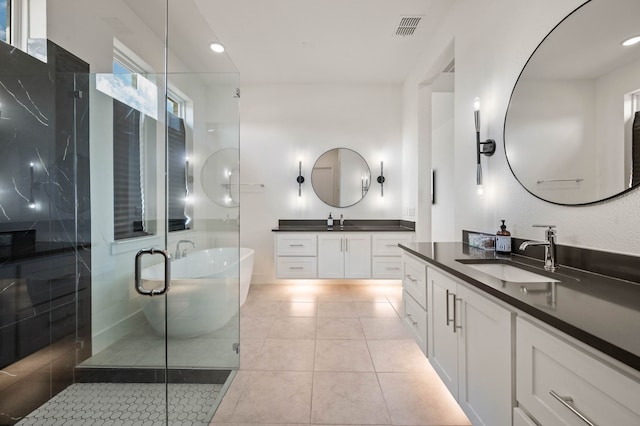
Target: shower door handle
167	273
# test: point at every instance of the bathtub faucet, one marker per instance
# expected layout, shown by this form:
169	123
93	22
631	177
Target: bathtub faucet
183	253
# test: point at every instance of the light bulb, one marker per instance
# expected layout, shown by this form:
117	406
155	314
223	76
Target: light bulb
217	47
476	104
631	41
480	190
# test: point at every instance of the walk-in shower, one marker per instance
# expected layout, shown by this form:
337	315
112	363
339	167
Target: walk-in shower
104	132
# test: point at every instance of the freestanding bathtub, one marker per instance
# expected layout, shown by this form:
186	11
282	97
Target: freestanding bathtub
204	291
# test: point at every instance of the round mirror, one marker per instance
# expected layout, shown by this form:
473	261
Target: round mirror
220	177
341	177
572	129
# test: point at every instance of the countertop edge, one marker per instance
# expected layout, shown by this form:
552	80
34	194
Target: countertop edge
337	229
589	339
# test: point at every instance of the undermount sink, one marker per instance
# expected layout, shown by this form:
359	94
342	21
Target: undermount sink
507	272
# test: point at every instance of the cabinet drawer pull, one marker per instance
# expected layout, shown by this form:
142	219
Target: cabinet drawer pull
296	245
410	278
411	319
296	267
392	245
567	401
390	268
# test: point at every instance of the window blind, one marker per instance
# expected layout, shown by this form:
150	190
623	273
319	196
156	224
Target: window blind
177	174
128	208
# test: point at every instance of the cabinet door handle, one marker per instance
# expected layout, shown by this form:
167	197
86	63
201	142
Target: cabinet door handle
346	245
455	313
410	278
341	242
447	312
567	401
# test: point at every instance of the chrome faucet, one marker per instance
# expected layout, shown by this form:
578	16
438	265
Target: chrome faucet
549	246
183	253
341	221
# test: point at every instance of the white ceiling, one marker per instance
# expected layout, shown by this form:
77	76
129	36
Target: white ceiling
321	41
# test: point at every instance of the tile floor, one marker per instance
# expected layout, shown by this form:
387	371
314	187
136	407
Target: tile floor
332	355
126	404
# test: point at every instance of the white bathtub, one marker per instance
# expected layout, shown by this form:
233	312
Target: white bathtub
204	291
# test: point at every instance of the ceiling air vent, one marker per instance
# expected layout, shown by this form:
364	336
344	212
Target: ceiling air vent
407	25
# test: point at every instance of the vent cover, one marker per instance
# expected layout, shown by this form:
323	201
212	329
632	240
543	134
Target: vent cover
407	25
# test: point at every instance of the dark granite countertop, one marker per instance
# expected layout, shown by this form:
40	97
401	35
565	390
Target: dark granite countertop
350	225
600	311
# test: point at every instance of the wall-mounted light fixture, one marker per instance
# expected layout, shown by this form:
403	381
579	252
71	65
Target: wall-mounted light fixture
365	185
381	179
32	200
487	147
300	179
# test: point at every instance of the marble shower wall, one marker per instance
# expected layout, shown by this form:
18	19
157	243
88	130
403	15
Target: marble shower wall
45	227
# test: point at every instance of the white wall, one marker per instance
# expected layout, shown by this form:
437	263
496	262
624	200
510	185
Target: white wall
442	143
282	124
493	40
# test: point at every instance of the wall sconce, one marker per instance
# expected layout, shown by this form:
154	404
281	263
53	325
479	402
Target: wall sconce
365	185
32	200
300	179
487	147
381	179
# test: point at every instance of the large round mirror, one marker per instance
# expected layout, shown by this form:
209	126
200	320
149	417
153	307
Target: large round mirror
220	177
572	129
341	177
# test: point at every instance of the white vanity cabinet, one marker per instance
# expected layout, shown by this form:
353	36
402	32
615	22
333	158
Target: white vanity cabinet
339	254
386	261
559	382
296	255
469	346
414	299
344	255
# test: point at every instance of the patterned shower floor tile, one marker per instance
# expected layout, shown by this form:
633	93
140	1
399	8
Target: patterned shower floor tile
127	404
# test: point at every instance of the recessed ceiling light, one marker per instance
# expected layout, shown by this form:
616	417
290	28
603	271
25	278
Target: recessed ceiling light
631	41
217	47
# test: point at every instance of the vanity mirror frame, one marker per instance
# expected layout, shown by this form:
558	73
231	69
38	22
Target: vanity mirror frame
519	178
364	185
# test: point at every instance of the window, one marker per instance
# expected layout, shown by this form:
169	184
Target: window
178	185
128	190
134	98
5	21
174	106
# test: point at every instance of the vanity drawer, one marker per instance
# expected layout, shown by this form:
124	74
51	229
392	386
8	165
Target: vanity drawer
548	365
296	267
414	319
386	244
387	267
414	279
303	244
520	418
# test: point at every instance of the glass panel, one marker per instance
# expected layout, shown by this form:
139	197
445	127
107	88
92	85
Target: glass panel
73	329
210	270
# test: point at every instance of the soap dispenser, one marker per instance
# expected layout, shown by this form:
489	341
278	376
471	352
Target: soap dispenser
330	221
503	240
